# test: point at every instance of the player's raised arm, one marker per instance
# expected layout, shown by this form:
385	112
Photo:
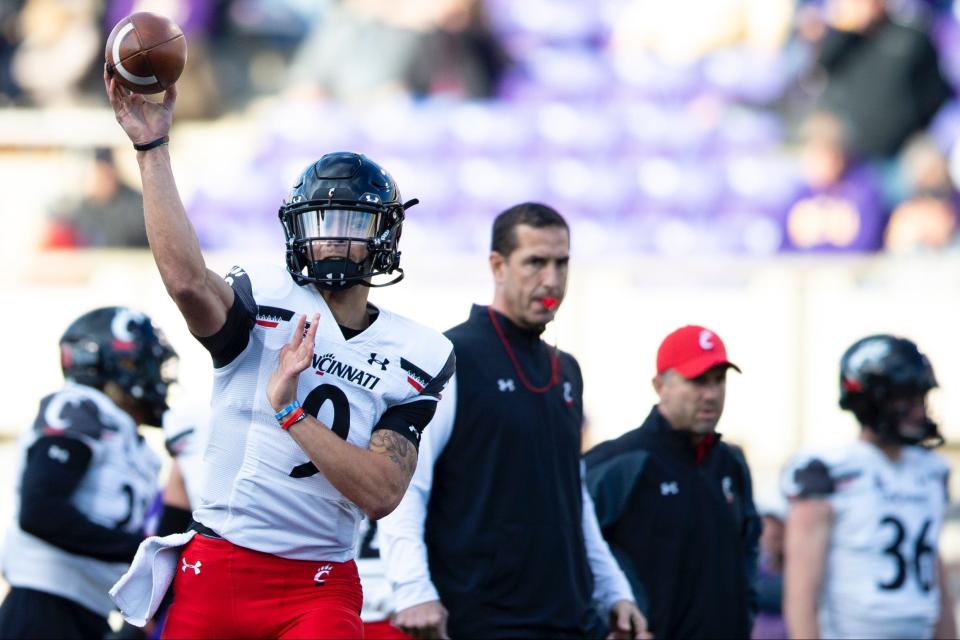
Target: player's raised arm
201	295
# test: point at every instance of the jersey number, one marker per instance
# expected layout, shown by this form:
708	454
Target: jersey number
132	506
341	420
921	563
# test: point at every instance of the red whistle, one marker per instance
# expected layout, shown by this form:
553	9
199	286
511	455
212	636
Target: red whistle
550	303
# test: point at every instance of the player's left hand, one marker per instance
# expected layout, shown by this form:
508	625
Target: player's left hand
627	622
295	356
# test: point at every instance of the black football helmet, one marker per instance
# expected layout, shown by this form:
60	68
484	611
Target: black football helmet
875	372
116	344
348	199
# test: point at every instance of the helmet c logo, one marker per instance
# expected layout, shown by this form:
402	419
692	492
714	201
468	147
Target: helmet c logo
706	340
120	325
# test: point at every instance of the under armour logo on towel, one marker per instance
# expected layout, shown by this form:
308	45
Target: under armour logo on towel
668	488
506	385
186	565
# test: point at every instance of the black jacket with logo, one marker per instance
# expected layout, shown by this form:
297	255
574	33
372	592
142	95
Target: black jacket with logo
504	527
685	533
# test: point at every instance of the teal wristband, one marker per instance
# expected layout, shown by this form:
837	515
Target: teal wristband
287	410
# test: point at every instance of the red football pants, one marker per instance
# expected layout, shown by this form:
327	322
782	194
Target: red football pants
225	591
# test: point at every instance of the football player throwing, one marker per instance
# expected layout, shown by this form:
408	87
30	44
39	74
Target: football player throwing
319	397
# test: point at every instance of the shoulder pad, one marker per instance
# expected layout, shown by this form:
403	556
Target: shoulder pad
72	414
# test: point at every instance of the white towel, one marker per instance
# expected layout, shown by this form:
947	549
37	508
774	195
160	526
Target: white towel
139	591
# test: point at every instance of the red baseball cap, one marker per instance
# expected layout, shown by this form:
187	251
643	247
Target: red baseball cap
691	351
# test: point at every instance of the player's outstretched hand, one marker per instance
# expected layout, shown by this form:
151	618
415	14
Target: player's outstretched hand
427	620
626	621
295	356
142	120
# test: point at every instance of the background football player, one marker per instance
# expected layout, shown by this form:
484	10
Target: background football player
862	556
294	458
86	478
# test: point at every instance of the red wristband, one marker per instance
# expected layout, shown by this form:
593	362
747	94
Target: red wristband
293	418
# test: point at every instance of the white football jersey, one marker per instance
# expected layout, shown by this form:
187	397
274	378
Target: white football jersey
186	431
880	578
115	492
261	490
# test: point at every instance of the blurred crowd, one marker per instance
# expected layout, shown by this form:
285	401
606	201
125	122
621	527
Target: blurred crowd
708	126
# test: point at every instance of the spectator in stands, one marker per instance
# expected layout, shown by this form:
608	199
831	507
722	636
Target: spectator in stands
666	28
769	624
364	49
839	206
9	41
460	56
357	52
109	214
927	218
60	40
882	77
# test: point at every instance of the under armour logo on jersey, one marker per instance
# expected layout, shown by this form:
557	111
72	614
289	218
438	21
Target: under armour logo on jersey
187	565
506	385
416	432
383	363
568	393
668	488
58	454
322	573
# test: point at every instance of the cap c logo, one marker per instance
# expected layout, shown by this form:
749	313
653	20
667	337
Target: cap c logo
706	340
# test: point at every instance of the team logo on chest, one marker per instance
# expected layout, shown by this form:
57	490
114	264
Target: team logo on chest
328	364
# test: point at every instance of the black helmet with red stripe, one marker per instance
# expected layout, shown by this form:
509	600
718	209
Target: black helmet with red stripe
876	373
119	345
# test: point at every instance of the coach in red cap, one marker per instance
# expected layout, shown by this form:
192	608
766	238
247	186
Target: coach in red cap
675	503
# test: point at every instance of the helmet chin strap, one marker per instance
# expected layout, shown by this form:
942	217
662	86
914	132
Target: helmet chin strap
888	429
336	274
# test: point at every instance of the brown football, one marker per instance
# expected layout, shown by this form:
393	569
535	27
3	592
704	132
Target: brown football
146	52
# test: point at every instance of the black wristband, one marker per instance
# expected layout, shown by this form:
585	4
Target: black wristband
150	145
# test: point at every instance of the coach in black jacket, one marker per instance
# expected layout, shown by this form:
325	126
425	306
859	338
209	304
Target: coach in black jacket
675	503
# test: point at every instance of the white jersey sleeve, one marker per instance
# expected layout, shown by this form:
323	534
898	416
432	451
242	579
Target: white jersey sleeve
610	585
186	431
261	490
880	577
402	547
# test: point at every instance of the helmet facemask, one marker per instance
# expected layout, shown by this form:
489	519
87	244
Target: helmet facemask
887	412
336	244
